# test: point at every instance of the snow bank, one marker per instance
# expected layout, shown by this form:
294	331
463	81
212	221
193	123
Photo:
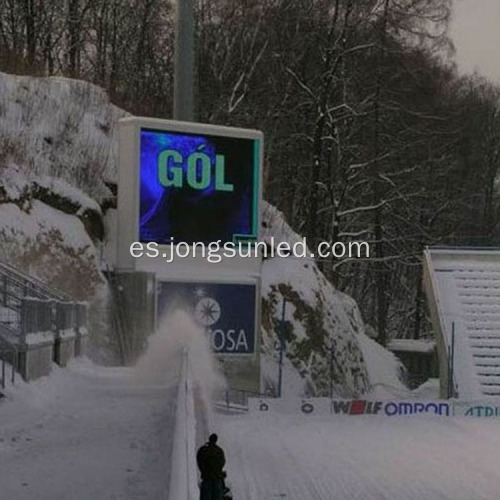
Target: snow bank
428	390
412	345
384	368
325	334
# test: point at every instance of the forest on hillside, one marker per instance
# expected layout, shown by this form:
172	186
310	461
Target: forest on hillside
370	131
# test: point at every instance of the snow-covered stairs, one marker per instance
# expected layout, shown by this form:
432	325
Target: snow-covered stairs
479	292
463	287
15	286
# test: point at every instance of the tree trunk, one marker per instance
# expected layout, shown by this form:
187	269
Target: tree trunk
29	13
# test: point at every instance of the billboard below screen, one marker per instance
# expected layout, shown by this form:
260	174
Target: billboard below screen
225	311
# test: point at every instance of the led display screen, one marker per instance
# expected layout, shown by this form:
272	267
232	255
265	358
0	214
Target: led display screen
197	187
226	312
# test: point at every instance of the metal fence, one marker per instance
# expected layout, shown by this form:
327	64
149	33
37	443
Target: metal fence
28	306
238	398
81	315
65	315
36	316
51	315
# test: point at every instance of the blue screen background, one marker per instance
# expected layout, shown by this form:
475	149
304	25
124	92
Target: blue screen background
185	214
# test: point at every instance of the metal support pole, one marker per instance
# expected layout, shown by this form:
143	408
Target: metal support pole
23	321
331	369
449	368
452	361
282	347
184	62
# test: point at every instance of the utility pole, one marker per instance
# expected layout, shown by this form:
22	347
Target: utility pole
184	62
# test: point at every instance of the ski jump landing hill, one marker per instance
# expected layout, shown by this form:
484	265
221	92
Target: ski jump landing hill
463	291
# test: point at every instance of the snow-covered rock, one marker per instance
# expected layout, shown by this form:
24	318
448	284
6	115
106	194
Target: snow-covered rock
325	334
58	128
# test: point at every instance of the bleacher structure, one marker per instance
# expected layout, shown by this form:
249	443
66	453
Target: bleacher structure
463	291
38	325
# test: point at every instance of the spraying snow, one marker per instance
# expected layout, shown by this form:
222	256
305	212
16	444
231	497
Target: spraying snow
160	364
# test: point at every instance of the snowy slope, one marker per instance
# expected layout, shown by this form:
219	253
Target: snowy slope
57	149
307	457
325	334
86	432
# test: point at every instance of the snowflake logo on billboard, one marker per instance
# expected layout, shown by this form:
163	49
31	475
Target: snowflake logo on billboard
207	311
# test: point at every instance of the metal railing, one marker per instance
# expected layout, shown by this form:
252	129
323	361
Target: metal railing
50	315
29	306
238	398
28	285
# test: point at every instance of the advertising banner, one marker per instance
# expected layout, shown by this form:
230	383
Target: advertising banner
323	406
391	408
316	406
480	409
226	311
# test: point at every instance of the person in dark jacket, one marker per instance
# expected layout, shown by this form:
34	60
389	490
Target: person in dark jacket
211	461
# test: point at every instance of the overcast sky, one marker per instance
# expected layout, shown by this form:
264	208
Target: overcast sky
475	31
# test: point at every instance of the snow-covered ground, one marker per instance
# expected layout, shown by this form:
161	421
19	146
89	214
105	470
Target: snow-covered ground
305	457
86	432
107	433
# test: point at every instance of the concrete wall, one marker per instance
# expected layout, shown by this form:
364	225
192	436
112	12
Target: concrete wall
36	358
36	361
137	303
81	342
64	349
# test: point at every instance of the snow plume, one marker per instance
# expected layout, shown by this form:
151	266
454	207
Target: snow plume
178	333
